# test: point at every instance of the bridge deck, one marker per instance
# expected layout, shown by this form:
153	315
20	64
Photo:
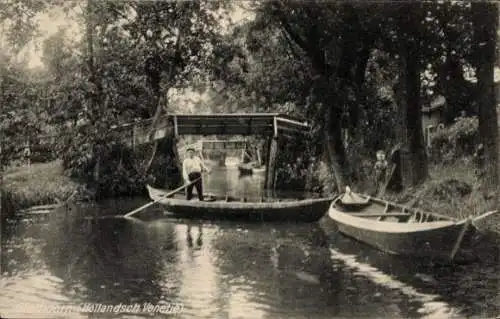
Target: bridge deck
237	124
260	124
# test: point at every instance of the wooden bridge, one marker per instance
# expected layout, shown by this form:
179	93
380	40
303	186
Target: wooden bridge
259	124
265	125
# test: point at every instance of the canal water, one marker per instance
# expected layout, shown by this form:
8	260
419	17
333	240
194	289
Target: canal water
190	269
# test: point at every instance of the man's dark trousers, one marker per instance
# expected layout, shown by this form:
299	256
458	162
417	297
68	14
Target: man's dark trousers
198	184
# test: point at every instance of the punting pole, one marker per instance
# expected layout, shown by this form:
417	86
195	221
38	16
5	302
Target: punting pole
485	215
160	198
460	238
481	223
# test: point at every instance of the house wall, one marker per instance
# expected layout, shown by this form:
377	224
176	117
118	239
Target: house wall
433	118
430	119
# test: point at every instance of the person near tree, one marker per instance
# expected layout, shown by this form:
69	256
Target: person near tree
380	168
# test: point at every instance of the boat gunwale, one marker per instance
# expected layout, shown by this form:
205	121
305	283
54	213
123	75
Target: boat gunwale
390	227
410	210
175	202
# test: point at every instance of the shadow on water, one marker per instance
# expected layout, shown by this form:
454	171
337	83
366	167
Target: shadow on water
443	290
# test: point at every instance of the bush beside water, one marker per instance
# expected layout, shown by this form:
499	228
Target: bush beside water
39	184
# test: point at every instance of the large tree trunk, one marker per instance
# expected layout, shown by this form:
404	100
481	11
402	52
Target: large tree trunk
97	96
93	101
485	28
413	156
451	81
334	148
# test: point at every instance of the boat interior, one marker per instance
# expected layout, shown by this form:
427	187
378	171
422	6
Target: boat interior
380	210
228	198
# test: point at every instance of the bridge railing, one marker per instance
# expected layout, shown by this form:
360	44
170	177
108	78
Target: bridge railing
139	132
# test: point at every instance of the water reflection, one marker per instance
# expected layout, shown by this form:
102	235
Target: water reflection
106	261
189	236
434	290
224	181
228	181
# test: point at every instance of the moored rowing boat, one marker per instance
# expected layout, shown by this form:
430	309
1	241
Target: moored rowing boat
251	168
400	230
245	169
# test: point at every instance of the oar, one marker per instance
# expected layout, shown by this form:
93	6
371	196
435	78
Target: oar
160	198
476	221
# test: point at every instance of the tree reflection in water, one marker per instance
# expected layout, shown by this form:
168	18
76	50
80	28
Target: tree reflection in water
105	260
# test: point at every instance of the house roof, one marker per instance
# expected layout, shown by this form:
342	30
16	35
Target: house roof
436	104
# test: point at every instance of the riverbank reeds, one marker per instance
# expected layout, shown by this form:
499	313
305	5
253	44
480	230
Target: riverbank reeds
38	184
452	189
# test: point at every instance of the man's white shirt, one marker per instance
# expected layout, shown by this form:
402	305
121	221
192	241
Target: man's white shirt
191	165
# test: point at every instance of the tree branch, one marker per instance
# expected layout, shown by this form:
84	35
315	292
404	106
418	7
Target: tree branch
278	13
291	44
113	8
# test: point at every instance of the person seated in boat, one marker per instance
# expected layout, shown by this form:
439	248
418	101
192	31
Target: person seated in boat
192	167
380	170
289	175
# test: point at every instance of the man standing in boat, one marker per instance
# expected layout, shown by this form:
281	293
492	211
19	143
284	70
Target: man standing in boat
192	167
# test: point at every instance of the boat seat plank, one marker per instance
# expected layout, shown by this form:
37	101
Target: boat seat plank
386	210
380	214
387	206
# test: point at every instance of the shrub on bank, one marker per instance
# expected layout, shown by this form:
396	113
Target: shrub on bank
455	141
39	184
110	168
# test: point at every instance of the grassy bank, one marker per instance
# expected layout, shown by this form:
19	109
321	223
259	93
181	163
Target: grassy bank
39	184
451	190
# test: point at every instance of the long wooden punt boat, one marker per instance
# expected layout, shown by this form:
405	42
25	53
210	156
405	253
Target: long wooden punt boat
400	230
213	207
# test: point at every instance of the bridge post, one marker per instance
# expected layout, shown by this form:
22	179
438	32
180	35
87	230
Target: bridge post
271	163
175	150
272	157
134	134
